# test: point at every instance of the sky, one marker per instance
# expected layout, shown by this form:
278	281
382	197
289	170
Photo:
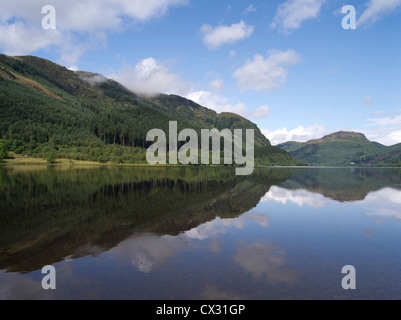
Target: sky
288	66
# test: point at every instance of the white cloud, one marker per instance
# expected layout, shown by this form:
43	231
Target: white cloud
215	37
376	9
82	24
217	103
221	104
385	136
18	39
292	13
151	77
300	134
144	10
266	73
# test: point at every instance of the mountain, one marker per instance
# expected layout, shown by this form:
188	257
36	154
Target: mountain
50	112
344	149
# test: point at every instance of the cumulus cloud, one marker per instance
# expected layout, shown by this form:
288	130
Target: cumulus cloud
18	39
291	14
150	77
215	37
376	9
262	73
300	134
221	104
82	24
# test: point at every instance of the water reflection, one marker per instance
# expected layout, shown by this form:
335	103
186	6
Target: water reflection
229	237
264	259
49	215
147	251
299	197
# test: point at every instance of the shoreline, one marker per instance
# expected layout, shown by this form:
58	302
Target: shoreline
29	161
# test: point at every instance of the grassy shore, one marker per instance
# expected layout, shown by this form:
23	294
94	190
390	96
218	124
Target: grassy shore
25	160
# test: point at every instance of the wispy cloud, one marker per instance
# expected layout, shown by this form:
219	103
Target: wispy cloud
215	37
250	9
376	9
291	14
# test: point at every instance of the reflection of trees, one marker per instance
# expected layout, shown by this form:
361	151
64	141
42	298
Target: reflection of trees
344	184
47	215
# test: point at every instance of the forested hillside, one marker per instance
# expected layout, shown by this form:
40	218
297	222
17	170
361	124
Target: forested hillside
345	149
50	112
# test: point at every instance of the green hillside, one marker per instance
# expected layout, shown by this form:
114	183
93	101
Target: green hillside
50	112
344	149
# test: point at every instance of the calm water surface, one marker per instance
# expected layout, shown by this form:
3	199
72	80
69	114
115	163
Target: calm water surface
199	233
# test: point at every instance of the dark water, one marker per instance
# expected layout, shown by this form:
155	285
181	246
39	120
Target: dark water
199	233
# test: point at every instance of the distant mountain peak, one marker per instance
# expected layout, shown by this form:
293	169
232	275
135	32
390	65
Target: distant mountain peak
344	135
344	148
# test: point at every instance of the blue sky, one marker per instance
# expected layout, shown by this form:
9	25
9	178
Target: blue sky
289	66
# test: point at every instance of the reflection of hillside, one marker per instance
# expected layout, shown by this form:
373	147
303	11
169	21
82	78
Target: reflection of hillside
51	214
344	184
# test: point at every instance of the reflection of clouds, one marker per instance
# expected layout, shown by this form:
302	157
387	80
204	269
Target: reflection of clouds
384	197
212	292
146	251
299	197
386	213
220	226
384	203
18	287
215	245
264	258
